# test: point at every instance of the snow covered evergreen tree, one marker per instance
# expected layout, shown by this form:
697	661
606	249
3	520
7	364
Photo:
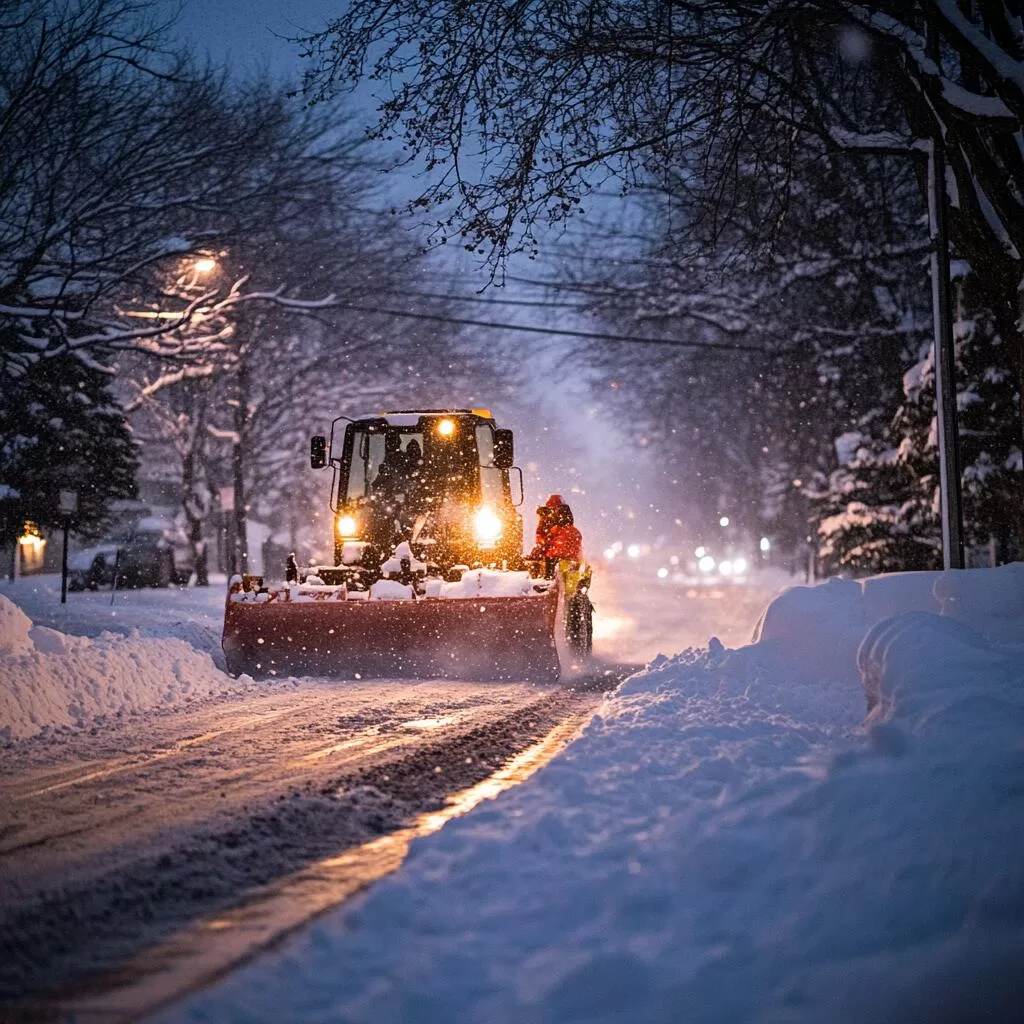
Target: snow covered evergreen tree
881	510
86	447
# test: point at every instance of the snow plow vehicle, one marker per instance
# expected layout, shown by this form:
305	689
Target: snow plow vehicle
428	578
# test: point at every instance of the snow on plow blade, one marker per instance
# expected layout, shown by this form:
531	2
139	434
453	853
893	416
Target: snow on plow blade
485	638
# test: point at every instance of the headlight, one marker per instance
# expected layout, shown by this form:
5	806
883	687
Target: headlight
487	526
346	526
706	564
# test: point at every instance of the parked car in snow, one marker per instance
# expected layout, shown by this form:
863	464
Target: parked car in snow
149	553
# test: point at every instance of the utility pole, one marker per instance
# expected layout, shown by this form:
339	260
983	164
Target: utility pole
947	429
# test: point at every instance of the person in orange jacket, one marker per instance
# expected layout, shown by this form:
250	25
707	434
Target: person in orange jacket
557	535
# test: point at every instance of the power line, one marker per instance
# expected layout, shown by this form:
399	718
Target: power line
564	332
536	303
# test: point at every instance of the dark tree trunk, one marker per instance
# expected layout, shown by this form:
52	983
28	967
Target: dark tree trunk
194	508
241	552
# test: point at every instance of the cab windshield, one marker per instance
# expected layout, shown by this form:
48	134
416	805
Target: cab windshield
422	465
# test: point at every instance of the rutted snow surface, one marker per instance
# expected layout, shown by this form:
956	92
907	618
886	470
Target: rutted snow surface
728	841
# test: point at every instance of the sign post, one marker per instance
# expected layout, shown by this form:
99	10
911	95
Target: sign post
68	507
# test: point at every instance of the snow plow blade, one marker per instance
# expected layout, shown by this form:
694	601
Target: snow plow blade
480	639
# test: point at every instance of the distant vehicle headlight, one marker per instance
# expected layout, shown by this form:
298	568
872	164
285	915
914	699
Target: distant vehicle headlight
346	526
706	564
739	566
487	526
662	573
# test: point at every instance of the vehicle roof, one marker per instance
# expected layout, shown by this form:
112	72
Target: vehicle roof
408	417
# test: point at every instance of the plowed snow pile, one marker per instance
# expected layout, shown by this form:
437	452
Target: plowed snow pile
729	841
50	679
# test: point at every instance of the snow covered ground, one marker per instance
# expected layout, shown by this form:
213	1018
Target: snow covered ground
729	840
102	655
94	658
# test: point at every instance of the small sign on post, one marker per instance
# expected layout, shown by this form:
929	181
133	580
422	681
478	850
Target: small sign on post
67	502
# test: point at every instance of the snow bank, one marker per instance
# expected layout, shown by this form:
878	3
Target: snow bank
989	601
817	629
944	679
48	678
14	630
726	842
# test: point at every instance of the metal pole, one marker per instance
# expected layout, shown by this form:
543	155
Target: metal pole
117	569
64	565
951	502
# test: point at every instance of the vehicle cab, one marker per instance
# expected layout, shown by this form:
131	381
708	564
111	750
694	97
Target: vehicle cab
441	479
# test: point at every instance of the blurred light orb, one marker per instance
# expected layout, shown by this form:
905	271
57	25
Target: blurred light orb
205	264
725	568
701	551
766	544
633	550
706	564
662	573
739	566
854	45
724	521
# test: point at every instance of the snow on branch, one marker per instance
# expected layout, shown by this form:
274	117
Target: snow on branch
880	143
1000	63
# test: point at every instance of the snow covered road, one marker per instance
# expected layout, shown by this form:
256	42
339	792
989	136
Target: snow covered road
146	819
117	838
729	841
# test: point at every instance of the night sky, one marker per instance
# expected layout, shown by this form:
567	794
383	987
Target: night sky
247	33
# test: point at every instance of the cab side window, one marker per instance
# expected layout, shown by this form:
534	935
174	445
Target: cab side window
491	483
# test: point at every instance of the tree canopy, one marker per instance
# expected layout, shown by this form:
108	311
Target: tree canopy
521	109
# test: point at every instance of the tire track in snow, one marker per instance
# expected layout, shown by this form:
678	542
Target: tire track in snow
197	840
